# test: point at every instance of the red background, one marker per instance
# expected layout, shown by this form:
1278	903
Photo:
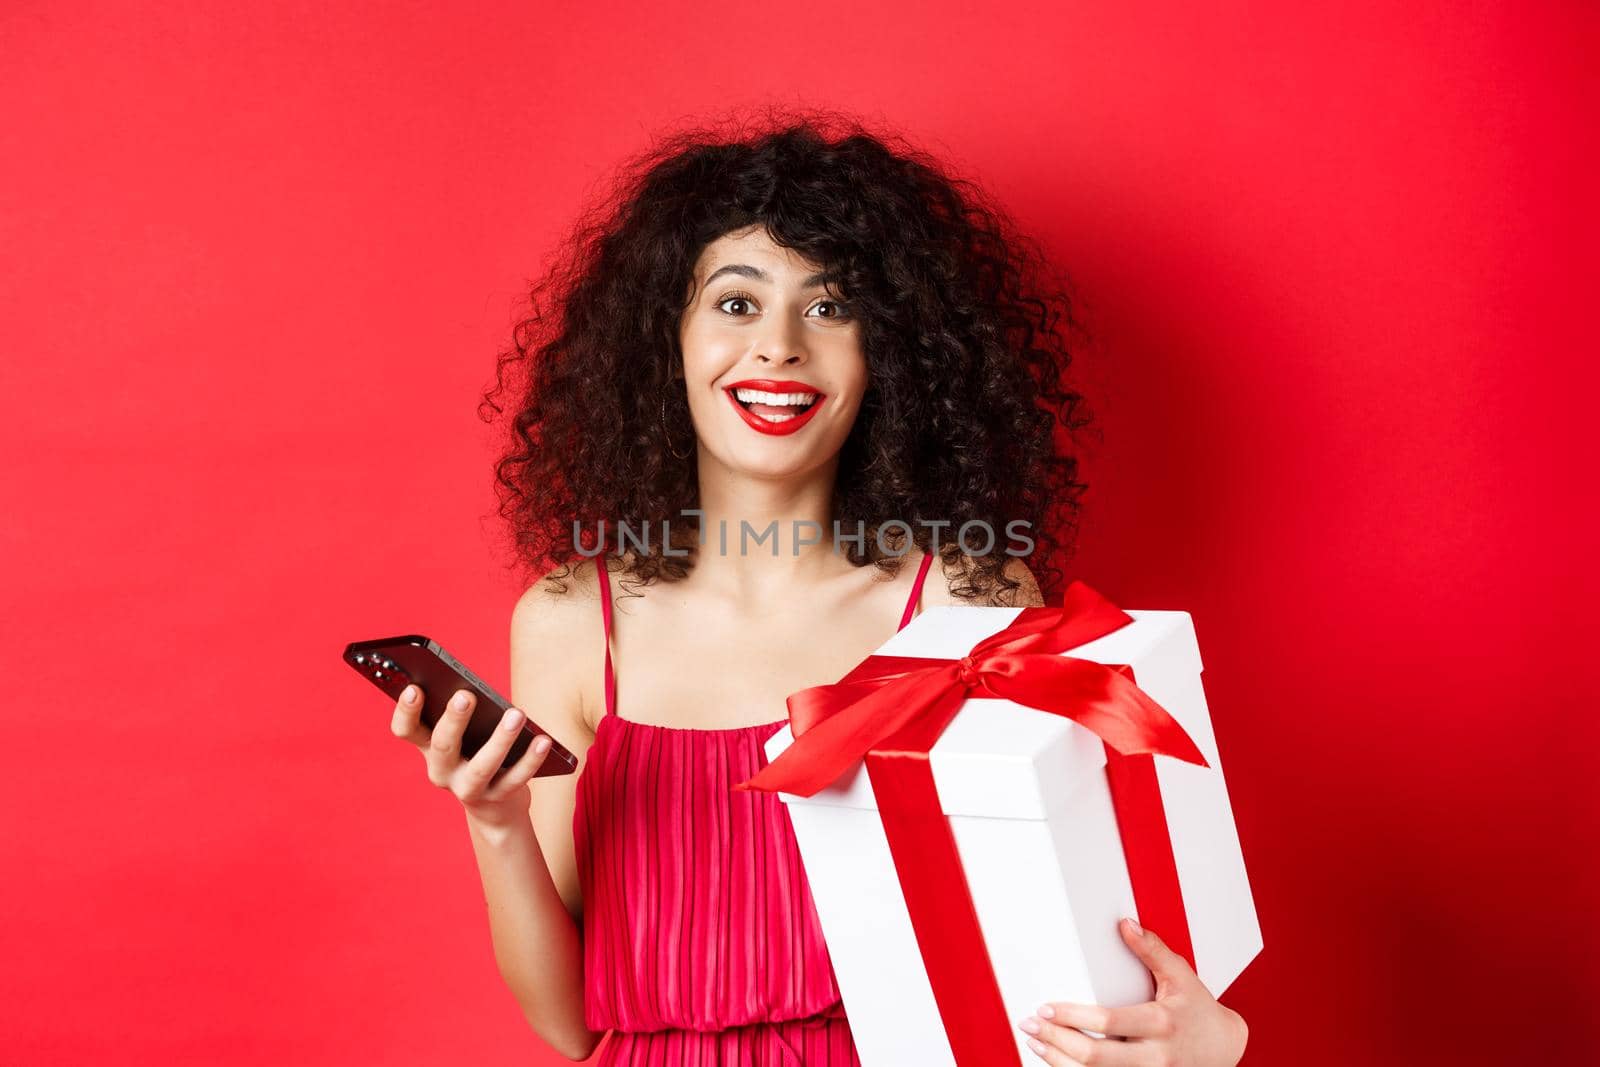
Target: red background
256	264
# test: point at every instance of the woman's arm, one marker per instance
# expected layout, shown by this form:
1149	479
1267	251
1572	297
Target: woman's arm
528	869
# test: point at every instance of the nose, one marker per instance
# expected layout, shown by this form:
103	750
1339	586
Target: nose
779	347
780	357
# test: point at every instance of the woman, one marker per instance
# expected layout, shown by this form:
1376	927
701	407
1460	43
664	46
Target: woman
792	363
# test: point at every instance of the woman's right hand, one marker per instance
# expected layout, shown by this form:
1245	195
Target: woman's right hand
498	803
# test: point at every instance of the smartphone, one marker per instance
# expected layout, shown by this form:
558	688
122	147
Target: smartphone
392	663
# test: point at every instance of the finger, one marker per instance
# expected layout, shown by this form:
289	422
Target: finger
406	723
1169	968
474	776
1052	1055
446	743
519	773
1150	1019
1079	1047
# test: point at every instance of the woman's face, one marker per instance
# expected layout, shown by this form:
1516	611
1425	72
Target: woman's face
773	365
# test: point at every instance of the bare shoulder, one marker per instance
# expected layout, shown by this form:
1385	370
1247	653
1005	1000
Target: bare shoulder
957	568
557	641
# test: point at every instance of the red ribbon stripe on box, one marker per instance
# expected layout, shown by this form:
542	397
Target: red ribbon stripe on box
890	710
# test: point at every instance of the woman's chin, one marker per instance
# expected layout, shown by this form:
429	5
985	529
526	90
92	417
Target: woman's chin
774	459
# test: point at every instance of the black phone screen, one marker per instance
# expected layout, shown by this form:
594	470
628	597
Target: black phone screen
392	663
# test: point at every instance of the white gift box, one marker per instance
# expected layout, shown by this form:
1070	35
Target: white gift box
1030	808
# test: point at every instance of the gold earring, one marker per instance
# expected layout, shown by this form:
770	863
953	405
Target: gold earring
667	430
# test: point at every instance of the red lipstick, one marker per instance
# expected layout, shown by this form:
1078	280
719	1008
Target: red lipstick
774	385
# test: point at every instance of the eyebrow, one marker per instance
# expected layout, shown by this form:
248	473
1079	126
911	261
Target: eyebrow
820	278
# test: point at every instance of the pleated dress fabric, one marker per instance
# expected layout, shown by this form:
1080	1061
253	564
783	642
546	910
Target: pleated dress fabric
701	942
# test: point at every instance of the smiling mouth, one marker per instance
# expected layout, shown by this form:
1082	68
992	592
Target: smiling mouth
774	407
777	412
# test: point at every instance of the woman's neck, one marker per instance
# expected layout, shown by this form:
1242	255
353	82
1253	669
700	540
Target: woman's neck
762	538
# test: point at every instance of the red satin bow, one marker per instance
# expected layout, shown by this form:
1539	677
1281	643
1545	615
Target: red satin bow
836	725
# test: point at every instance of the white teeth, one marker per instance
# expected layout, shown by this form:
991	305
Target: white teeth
756	396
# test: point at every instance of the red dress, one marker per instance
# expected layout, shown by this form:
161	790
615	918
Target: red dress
701	944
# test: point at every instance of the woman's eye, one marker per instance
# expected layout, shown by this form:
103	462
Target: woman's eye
841	309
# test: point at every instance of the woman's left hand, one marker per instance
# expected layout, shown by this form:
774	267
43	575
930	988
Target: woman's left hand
1183	1027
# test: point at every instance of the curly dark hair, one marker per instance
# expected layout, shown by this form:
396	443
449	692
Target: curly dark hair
965	329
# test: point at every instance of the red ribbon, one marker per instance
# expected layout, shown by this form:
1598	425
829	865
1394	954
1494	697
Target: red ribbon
890	710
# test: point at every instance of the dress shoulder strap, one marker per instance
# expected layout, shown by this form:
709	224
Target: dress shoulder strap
916	590
605	614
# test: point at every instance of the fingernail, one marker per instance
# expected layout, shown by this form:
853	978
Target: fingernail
458	701
511	719
1133	924
409	694
542	743
1037	1046
1030	1025
1046	1012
